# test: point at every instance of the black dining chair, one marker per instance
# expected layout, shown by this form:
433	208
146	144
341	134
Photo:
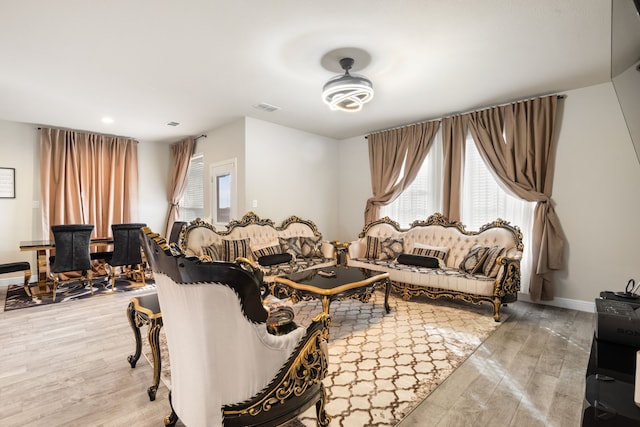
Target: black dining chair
127	252
72	253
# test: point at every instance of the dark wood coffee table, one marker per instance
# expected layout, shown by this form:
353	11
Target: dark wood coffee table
347	283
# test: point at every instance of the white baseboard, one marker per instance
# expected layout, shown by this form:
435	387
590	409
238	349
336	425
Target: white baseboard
573	304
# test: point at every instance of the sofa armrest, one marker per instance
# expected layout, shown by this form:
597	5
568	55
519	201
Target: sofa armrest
508	280
328	250
357	249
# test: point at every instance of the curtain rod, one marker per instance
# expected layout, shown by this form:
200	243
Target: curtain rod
89	132
460	114
201	136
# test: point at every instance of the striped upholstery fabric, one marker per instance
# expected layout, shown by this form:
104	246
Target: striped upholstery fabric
232	249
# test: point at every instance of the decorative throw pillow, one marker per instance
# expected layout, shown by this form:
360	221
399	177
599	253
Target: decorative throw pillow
269	248
439	252
290	245
382	249
490	268
373	248
233	249
210	253
311	247
390	248
418	260
274	259
474	260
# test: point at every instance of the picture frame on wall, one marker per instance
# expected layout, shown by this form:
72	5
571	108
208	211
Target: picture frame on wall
7	183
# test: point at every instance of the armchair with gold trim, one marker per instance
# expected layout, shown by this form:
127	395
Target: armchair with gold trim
226	368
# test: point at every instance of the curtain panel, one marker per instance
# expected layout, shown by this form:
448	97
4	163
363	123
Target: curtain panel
395	158
181	153
88	178
517	141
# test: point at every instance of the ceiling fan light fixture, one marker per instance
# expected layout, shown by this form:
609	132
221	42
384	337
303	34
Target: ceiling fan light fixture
347	92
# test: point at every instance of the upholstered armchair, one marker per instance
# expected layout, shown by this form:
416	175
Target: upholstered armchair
226	369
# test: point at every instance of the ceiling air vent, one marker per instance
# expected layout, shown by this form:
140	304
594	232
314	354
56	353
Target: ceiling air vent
173	124
266	107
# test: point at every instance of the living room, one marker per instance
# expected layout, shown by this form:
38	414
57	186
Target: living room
327	179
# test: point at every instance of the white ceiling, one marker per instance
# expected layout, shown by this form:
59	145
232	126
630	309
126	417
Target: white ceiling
204	63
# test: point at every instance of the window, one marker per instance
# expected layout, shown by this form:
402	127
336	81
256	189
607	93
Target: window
192	203
424	196
483	199
223	192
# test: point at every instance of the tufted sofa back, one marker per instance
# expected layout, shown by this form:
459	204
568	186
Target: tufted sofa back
200	234
437	230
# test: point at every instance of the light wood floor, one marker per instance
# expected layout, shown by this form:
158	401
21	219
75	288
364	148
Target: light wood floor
65	365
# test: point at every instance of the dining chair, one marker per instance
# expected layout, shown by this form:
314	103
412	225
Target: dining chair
15	267
72	253
127	252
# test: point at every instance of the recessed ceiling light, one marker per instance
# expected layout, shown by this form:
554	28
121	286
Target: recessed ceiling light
107	120
173	124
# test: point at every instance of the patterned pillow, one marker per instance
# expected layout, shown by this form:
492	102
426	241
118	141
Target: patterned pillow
439	252
269	248
378	248
474	260
311	247
232	249
490	268
290	245
210	253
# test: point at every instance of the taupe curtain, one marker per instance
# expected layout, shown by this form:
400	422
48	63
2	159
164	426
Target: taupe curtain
181	153
454	133
395	157
523	160
88	178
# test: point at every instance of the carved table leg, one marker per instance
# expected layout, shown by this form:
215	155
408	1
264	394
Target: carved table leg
131	313
154	342
387	291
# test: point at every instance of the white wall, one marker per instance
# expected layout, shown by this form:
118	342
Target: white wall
20	221
595	193
355	178
224	143
290	172
153	180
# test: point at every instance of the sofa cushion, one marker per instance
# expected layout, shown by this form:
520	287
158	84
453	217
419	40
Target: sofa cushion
274	259
311	247
439	252
490	267
291	245
473	262
210	253
268	248
383	249
232	249
419	260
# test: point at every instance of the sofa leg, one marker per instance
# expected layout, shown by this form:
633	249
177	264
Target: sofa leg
496	309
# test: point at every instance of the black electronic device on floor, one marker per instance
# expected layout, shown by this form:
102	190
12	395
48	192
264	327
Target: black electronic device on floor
617	319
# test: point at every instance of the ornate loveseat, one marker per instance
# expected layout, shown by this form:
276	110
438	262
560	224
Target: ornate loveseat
439	258
296	245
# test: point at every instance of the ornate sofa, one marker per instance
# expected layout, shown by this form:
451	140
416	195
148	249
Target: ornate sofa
296	245
226	369
439	258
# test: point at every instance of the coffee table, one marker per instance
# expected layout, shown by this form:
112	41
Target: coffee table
345	283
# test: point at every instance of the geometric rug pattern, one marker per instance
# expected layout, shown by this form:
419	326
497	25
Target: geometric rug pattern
382	365
17	298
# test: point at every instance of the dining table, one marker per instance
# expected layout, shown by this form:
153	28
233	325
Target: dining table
43	246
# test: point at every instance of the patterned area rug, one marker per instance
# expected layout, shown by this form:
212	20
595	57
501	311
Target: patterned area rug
17	297
382	365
